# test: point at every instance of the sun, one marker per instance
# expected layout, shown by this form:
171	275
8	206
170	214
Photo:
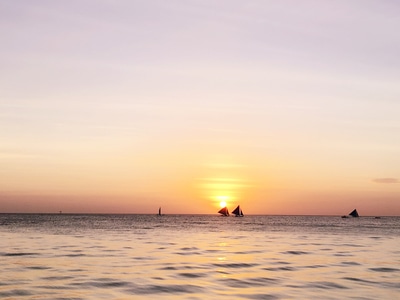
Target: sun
222	200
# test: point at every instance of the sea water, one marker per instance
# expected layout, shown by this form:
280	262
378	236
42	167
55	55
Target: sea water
198	257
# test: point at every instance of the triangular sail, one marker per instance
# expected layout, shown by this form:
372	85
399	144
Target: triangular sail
354	213
159	211
238	211
224	211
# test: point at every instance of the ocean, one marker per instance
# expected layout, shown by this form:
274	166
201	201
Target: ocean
78	256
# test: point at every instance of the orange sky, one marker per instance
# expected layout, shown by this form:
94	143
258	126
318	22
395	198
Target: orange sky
124	107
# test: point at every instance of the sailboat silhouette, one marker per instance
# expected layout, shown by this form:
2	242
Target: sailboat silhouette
224	212
238	212
353	214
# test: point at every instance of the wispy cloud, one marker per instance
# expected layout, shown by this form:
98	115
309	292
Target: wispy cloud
386	180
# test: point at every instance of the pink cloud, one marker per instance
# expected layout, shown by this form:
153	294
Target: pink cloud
386	180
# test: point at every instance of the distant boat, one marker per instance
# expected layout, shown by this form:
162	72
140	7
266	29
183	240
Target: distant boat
238	212
159	212
224	212
353	214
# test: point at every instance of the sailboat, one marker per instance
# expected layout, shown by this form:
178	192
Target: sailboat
224	212
238	212
159	212
353	214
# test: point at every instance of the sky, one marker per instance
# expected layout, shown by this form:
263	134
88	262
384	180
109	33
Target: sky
284	107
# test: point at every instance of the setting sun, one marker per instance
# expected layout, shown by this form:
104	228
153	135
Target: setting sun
222	200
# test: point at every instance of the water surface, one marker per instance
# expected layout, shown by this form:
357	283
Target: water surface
198	257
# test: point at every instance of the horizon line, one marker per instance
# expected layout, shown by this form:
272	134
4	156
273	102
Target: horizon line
178	214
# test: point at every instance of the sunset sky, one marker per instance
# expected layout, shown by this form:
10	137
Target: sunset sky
283	107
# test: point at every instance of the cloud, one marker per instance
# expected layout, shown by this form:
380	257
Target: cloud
386	180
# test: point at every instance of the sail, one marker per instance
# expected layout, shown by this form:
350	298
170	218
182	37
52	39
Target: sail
159	211
354	213
224	211
238	211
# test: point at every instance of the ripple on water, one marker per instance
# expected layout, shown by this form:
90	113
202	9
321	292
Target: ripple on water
354	245
144	258
326	285
249	283
391	285
56	287
212	250
103	283
386	270
165	289
280	262
248	252
343	254
280	269
75	255
37	268
260	296
293	252
15	293
192	275
359	280
235	265
189	251
54	278
19	254
169	268
315	266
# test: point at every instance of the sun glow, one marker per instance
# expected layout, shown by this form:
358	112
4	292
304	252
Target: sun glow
224	184
222	200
